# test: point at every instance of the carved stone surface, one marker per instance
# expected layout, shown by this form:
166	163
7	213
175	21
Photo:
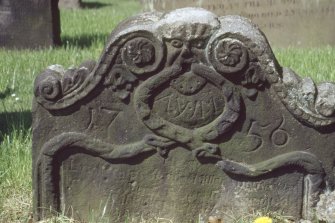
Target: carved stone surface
285	22
69	4
29	23
185	114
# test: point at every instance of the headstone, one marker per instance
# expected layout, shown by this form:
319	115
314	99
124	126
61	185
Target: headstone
285	22
29	23
69	4
185	115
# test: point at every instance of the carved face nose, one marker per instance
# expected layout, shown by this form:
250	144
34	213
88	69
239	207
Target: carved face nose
186	51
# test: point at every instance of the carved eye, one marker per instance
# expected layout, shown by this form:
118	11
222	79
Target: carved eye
199	44
177	43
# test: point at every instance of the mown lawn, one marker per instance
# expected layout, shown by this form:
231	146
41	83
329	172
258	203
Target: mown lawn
84	33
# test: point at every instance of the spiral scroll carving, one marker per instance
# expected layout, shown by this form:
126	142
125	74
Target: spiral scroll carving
49	88
56	82
139	52
142	54
228	55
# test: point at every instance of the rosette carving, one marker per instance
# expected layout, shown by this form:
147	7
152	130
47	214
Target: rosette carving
233	57
140	51
142	54
228	55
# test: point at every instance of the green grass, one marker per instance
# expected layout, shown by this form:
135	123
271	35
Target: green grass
317	63
84	33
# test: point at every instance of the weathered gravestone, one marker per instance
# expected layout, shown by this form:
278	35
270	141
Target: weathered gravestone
285	22
69	4
29	23
186	114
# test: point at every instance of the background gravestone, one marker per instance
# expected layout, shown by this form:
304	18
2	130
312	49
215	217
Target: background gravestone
69	3
29	23
186	114
285	22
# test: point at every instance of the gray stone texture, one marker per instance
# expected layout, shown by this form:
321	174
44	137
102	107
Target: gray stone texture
185	115
325	208
301	23
29	23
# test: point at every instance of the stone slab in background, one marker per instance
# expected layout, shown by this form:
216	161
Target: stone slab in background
285	22
73	4
186	114
29	23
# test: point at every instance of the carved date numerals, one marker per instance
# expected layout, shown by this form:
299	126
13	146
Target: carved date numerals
271	135
102	116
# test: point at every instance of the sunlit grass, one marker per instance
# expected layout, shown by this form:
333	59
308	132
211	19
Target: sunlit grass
317	63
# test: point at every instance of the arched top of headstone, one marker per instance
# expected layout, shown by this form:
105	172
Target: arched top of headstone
230	46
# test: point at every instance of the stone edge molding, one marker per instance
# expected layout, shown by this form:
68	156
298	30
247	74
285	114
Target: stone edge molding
138	43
